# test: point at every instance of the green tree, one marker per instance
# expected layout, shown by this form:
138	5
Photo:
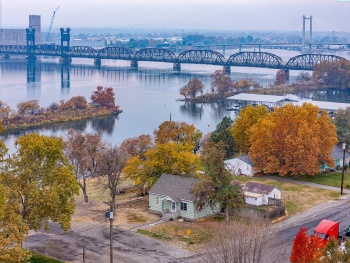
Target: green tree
293	140
243	124
223	133
342	123
216	185
221	83
41	182
171	157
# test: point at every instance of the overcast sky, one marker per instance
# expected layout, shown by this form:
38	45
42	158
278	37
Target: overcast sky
180	14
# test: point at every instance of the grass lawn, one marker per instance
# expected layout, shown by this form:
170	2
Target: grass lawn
331	179
296	198
38	258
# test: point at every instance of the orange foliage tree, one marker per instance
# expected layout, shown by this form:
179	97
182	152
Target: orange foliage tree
307	249
192	88
280	77
293	140
104	97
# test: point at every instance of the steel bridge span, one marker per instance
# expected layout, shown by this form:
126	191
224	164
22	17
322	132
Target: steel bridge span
208	57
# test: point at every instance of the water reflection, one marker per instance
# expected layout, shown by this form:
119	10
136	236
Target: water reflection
193	110
104	124
331	95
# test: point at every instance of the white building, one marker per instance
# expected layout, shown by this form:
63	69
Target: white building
241	165
259	194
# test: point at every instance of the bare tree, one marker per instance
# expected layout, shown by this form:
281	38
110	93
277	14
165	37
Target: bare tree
82	151
243	240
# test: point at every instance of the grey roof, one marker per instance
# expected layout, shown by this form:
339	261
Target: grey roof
174	186
338	153
258	188
246	159
325	105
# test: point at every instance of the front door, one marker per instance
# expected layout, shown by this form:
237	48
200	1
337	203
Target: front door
173	207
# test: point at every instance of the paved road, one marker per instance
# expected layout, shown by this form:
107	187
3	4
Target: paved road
128	247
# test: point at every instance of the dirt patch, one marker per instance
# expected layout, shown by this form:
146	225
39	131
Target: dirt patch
132	210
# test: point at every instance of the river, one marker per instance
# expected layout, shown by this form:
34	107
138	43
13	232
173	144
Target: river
148	96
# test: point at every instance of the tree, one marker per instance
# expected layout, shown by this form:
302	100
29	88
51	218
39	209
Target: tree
293	140
342	123
104	97
28	107
332	74
243	123
333	254
171	157
221	83
306	249
244	85
82	151
192	88
4	110
111	164
281	77
137	146
216	185
77	102
304	77
223	133
243	240
179	132
42	182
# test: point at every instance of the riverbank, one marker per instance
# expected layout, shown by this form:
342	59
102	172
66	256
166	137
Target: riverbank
31	121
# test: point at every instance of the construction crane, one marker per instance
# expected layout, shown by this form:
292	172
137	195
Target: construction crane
52	19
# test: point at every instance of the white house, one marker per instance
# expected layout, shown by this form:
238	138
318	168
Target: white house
241	165
259	194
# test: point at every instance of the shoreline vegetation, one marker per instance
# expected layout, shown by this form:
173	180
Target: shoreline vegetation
29	114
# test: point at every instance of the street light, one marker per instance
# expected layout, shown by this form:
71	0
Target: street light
342	172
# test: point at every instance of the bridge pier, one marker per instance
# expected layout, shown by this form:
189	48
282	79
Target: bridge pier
134	64
226	69
65	60
6	56
31	58
97	61
177	66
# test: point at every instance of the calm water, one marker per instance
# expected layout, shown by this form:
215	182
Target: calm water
148	96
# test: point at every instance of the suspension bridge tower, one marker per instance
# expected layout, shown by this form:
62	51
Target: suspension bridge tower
310	35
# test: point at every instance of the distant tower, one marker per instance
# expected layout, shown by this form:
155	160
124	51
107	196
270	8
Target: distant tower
34	22
310	31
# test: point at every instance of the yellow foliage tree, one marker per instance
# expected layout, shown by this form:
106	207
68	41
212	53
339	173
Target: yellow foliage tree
171	157
293	140
243	123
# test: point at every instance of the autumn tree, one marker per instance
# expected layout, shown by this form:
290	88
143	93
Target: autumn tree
192	88
293	140
137	146
223	133
306	249
77	102
104	97
332	74
244	85
28	107
82	151
41	182
5	110
246	118
342	123
179	132
171	158
221	83
216	185
333	254
281	77
111	164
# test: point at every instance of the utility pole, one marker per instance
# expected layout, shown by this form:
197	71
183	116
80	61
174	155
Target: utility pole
342	172
111	232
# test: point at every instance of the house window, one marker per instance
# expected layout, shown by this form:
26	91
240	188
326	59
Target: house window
157	200
183	206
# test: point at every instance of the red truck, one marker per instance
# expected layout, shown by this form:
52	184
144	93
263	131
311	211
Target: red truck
327	229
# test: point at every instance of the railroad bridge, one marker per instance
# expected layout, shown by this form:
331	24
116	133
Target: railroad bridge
208	57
